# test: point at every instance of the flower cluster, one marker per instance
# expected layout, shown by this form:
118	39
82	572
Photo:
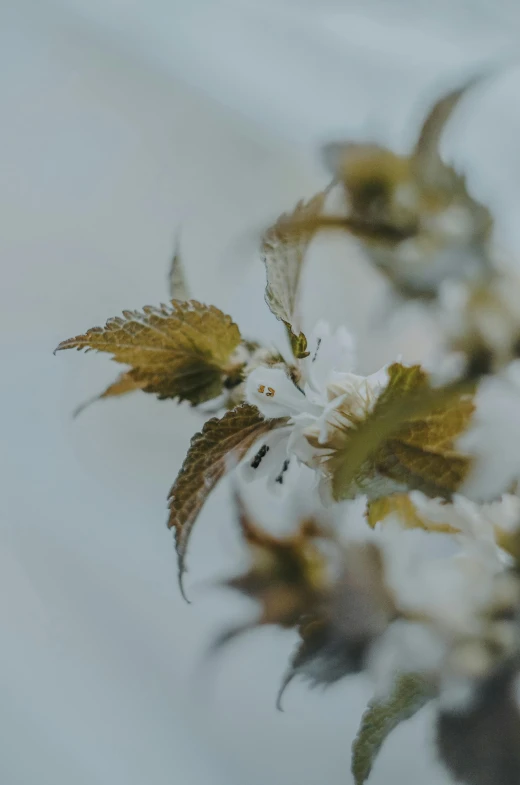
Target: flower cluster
320	398
406	562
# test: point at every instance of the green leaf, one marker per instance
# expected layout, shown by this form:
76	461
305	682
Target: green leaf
211	454
284	247
125	383
298	343
408	439
183	350
411	693
400	505
426	159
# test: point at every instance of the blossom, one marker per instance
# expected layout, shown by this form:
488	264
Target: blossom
481	320
493	438
446	584
320	386
483	528
441	583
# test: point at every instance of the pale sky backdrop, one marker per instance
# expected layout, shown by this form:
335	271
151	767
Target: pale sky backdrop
121	121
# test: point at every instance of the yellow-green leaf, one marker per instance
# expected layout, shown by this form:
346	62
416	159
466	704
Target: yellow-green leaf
209	457
284	247
298	343
400	505
125	383
411	693
429	167
408	439
182	350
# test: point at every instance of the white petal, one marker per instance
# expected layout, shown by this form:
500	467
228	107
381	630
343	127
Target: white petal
275	395
298	444
328	353
264	457
405	647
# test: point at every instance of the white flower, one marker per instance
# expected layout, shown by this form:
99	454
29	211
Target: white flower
326	397
441	583
442	590
493	438
482	528
350	399
483	316
303	401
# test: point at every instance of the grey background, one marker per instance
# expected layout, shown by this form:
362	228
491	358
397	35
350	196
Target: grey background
120	122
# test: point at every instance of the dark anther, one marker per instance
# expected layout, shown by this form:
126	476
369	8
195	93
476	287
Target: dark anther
285	466
257	460
318	342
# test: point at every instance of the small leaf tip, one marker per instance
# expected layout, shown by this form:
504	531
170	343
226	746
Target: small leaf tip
281	692
182	589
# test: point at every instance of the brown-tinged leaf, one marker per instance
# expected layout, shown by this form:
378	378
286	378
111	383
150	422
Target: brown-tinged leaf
183	350
398	504
429	166
324	655
298	343
283	251
422	454
407	439
402	506
209	457
338	616
411	693
125	383
336	596
338	630
286	575
177	285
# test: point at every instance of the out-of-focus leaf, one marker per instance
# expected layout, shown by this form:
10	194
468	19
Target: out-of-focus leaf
370	175
177	285
400	505
337	597
284	247
324	655
125	383
422	453
286	573
411	693
212	452
427	162
408	438
338	630
183	350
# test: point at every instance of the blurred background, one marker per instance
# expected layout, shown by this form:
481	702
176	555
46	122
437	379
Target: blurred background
123	120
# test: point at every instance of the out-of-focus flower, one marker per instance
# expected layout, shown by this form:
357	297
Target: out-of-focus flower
479	709
482	321
413	214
